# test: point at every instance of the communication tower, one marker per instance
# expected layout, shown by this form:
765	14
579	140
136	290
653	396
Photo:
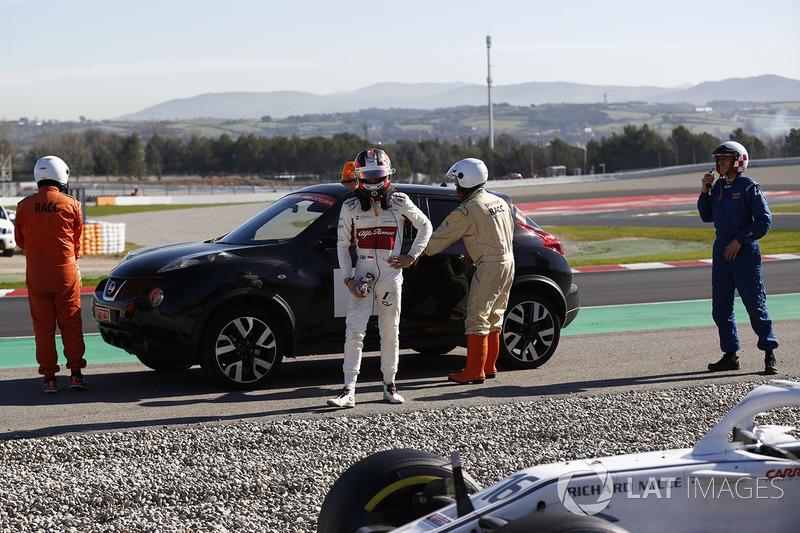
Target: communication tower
5	174
489	82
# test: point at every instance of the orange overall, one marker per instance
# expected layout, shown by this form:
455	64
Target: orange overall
48	229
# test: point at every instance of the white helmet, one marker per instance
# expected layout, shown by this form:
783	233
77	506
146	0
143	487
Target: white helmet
738	152
469	173
51	168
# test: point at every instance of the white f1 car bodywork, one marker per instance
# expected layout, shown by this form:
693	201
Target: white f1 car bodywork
738	477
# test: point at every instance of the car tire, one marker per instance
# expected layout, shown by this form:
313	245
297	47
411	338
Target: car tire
531	331
243	348
8	252
380	491
439	349
560	522
161	366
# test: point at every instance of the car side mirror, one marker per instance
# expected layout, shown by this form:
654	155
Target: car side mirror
326	241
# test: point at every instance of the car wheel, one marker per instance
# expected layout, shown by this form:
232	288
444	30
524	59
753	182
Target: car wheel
8	252
531	331
387	489
439	349
242	348
560	522
161	366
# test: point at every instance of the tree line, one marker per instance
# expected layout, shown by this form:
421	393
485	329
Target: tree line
98	153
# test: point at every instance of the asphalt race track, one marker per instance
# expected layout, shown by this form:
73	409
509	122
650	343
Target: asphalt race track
128	395
597	289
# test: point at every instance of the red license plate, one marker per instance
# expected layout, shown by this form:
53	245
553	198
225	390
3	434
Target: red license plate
102	313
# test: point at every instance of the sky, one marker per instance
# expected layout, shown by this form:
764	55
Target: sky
100	59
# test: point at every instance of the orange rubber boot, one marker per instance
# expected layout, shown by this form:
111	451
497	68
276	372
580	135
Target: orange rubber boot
489	369
477	347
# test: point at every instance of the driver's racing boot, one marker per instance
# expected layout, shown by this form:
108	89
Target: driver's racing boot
346	398
477	348
489	369
390	393
770	366
729	361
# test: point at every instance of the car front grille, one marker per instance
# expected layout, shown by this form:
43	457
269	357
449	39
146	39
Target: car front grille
126	289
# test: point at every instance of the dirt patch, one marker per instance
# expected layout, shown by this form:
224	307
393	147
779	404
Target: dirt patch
630	247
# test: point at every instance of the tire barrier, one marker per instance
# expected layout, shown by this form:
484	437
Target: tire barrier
102	238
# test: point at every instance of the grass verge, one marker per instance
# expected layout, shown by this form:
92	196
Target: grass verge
785	209
775	242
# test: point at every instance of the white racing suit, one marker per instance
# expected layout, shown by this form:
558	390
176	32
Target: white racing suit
376	234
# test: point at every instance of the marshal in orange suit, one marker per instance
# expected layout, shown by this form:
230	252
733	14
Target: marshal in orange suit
48	229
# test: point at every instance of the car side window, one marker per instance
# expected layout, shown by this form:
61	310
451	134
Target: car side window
409	231
439	208
283	220
436	210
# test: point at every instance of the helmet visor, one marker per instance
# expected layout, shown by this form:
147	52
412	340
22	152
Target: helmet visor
377	174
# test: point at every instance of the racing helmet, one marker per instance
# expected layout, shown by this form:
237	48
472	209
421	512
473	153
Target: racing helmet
738	152
51	168
469	173
372	169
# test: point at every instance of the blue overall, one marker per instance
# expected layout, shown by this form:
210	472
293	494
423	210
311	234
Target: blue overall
739	211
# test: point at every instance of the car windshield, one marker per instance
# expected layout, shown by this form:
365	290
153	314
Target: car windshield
281	221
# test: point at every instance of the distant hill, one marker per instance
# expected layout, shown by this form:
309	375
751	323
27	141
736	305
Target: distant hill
759	89
281	104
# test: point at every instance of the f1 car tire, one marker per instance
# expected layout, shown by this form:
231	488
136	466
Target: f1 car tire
161	366
560	522
531	331
383	490
242	348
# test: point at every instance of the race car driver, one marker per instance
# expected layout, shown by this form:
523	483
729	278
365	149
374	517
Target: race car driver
48	227
371	222
741	216
486	224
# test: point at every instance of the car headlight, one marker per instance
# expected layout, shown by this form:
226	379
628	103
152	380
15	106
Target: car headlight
197	259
